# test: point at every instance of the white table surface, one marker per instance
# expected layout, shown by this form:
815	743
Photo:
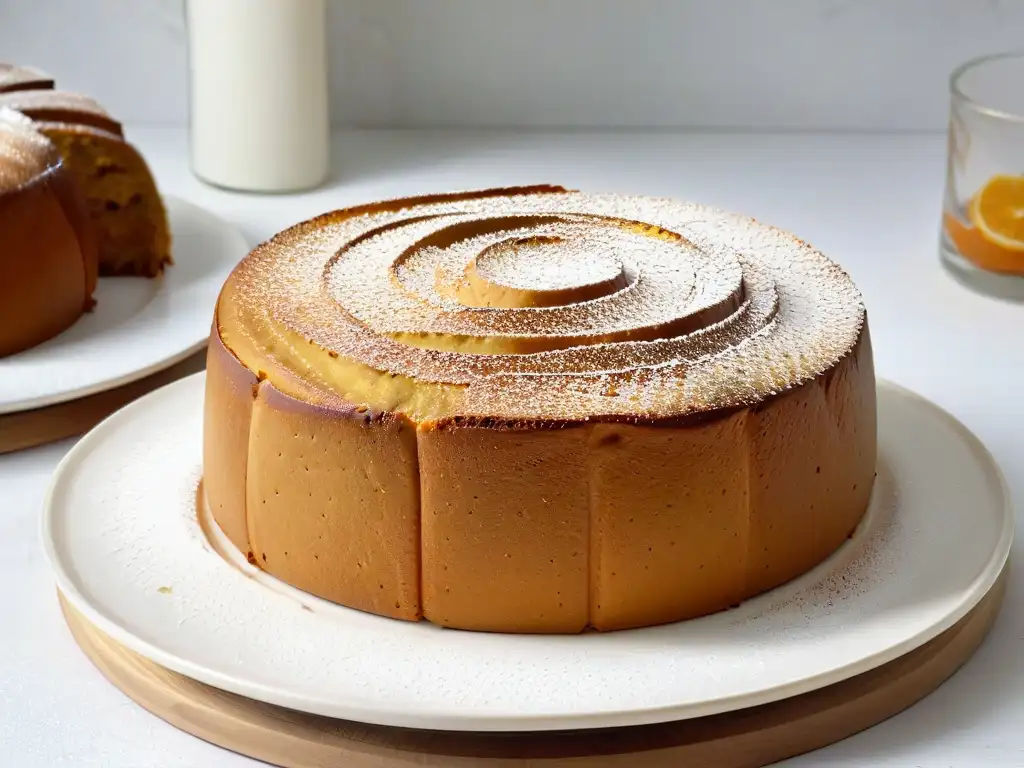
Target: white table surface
869	201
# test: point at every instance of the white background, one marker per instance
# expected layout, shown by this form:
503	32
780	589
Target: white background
812	64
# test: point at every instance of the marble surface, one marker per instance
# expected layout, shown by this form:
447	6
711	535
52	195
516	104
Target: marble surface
870	201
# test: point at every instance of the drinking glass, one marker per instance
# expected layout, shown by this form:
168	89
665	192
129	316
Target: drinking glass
982	240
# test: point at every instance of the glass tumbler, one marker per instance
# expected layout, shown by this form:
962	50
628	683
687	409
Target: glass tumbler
982	240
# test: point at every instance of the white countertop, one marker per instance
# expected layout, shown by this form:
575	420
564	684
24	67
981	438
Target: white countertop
870	201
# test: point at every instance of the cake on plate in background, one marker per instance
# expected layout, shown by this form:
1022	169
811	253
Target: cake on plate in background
75	200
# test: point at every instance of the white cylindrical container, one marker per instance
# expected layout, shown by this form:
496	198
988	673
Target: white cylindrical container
258	93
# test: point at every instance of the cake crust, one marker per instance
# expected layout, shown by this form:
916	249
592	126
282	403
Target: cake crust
48	258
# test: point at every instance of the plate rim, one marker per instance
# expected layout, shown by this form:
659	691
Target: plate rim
77	393
441	720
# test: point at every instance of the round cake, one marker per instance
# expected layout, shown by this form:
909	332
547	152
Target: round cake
48	258
537	410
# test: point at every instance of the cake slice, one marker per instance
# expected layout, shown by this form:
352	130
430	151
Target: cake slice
121	195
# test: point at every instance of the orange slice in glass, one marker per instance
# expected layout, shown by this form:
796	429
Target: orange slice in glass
972	245
997	210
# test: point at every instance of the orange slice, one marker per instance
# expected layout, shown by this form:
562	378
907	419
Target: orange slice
972	245
997	210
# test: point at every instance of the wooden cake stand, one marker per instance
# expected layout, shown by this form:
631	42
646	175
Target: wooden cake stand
27	429
750	737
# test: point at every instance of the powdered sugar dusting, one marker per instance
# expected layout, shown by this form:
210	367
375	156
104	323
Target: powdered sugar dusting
672	307
548	261
24	152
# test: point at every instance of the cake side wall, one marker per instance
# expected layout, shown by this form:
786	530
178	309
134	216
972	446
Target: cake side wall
72	202
539	527
42	290
812	468
230	388
852	399
333	502
670	514
506	526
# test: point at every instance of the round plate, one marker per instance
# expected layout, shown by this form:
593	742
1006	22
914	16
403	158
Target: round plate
139	325
122	534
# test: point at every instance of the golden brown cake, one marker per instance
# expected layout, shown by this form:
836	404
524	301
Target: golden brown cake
47	249
535	410
75	201
125	207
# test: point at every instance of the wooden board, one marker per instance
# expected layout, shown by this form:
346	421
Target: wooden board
25	429
751	737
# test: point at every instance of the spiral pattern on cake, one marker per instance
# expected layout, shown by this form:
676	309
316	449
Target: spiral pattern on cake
540	303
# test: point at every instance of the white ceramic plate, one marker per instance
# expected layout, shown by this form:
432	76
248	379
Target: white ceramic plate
138	327
121	532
